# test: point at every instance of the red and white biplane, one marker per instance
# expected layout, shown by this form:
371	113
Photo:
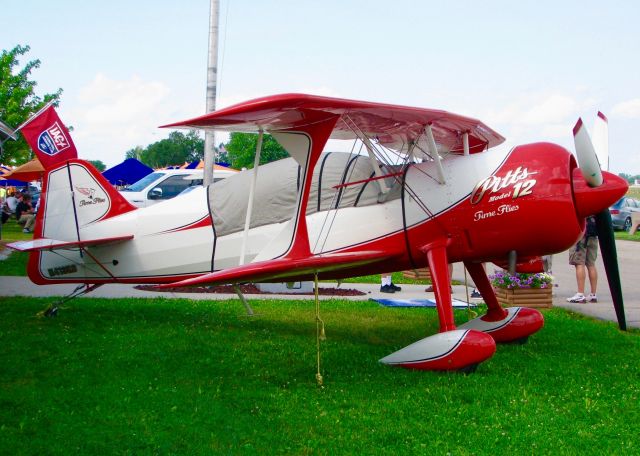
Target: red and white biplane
421	187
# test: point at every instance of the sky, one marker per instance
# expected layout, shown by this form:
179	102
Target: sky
526	69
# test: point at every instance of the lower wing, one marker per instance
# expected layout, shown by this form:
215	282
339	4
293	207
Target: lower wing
284	268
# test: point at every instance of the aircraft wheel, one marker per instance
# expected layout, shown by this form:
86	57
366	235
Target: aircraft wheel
51	312
456	350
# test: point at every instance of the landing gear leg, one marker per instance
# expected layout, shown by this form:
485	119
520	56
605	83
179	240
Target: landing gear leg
439	268
451	348
514	325
495	311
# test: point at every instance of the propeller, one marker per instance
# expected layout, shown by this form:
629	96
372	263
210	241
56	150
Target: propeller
601	140
592	173
586	155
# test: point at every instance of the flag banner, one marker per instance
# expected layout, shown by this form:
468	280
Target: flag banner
49	138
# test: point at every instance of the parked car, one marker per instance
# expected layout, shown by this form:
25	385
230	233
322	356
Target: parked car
621	212
165	184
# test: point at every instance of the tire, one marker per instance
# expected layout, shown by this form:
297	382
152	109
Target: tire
627	224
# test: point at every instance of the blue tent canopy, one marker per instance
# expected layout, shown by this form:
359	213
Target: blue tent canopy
12	183
127	172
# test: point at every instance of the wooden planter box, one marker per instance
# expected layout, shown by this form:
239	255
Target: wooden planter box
525	297
417	274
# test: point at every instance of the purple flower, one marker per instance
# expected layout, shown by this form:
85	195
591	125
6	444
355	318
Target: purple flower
502	279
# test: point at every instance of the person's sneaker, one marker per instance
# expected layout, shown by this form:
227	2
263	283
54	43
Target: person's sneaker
430	289
26	230
395	287
475	294
387	289
592	298
578	297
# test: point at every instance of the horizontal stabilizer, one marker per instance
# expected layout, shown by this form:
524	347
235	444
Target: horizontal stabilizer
52	244
283	268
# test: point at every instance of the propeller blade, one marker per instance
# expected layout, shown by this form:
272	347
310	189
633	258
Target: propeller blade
586	155
610	260
601	140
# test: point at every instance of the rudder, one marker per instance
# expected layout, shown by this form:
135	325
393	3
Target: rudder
76	195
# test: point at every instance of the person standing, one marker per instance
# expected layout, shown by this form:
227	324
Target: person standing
583	256
386	285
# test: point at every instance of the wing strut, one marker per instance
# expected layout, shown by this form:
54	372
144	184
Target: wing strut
465	143
252	189
434	153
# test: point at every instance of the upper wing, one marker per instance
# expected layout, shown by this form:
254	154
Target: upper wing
389	124
284	268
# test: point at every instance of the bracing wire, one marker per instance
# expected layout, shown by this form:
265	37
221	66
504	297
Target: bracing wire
389	158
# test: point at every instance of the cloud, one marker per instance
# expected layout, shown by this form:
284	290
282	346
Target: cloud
112	116
225	100
536	110
539	116
629	109
111	101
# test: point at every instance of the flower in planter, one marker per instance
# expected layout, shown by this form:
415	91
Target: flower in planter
502	279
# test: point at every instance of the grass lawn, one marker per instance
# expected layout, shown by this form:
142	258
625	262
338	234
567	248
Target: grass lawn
396	277
634	192
15	264
12	231
195	377
625	236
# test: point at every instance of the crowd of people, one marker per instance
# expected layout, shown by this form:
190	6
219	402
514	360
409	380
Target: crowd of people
19	205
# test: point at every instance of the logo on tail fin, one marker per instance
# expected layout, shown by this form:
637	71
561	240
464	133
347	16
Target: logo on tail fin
86	191
89	192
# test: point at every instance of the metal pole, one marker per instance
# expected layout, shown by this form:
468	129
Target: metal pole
212	76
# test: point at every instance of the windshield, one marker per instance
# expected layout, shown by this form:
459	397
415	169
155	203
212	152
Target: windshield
142	183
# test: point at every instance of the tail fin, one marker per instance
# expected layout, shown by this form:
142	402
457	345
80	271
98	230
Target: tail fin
74	196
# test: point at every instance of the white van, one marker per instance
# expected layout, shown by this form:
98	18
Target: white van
165	184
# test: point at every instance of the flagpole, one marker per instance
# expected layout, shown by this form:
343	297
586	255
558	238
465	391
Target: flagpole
212	77
44	108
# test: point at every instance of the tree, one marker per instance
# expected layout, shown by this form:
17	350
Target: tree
18	100
241	150
100	166
136	153
177	149
629	177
